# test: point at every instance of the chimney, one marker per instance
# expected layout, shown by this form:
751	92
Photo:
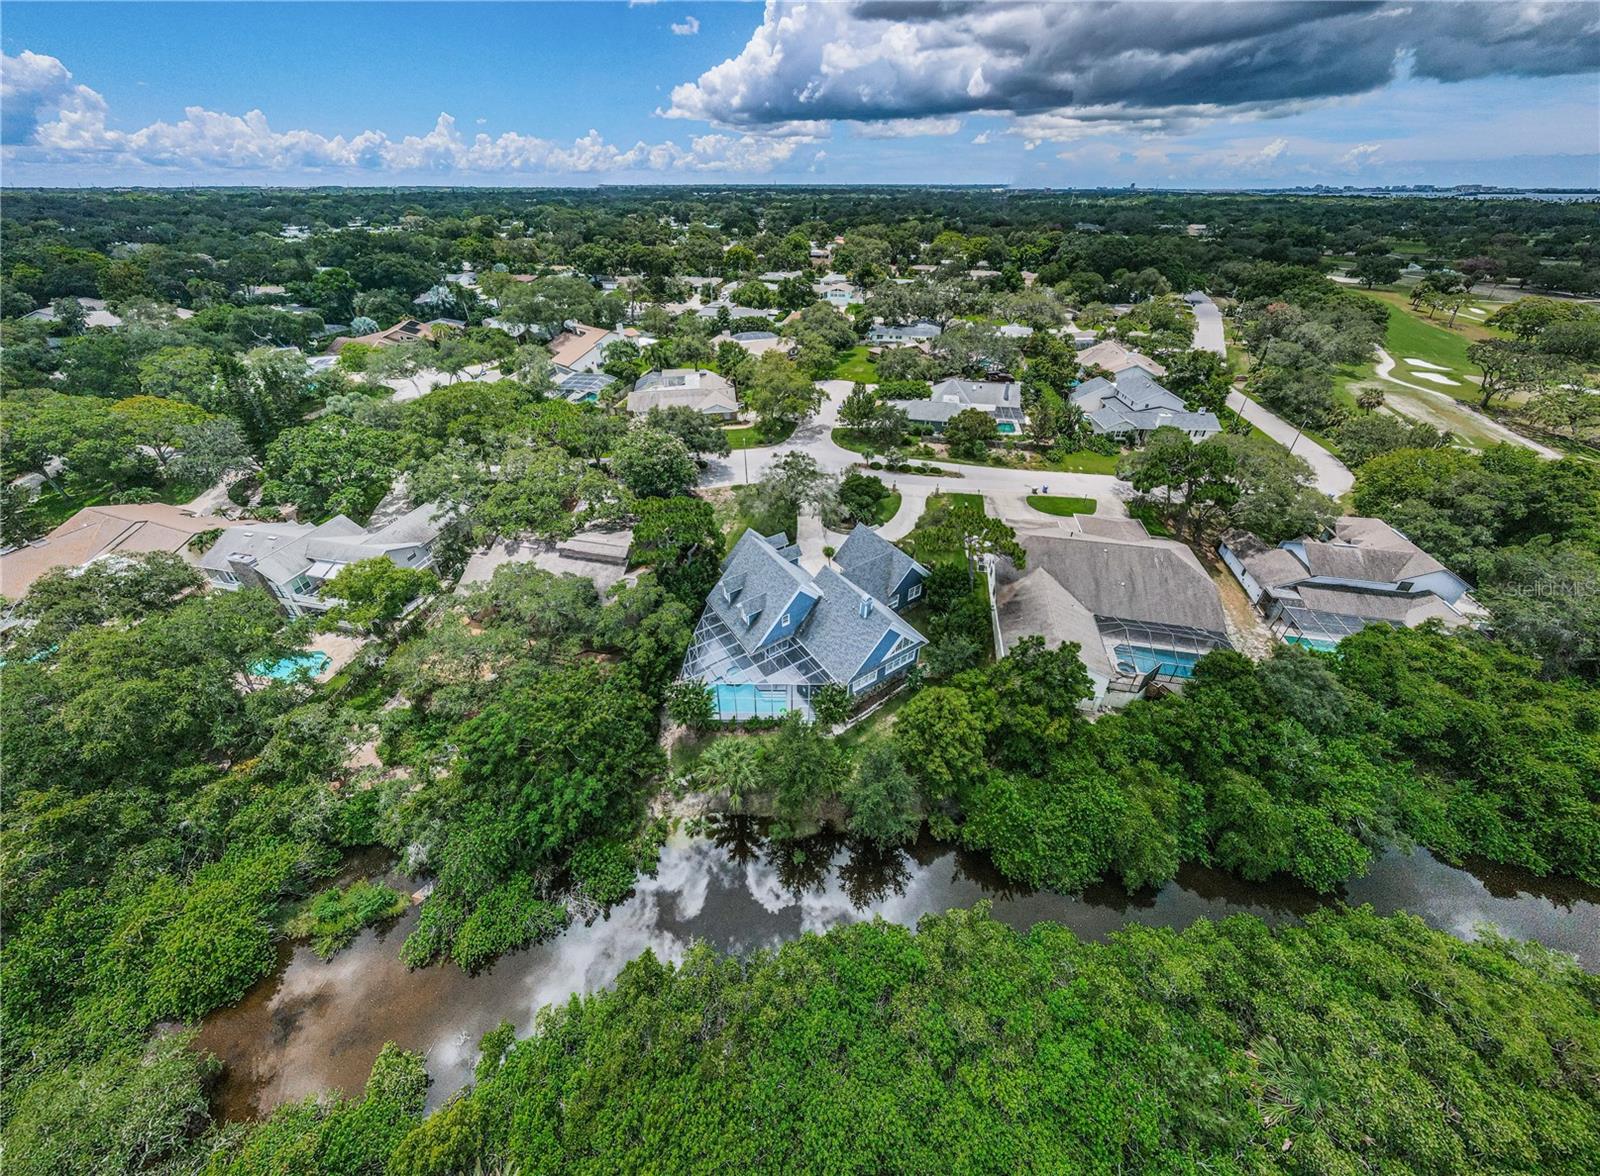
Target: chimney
866	606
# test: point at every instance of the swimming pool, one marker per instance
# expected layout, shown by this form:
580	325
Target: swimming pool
745	701
1141	659
292	669
1320	644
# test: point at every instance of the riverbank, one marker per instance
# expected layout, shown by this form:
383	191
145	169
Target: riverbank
313	1025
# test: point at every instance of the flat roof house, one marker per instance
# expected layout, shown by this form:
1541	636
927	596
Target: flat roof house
293	560
704	391
1002	399
1133	405
1315	592
1140	609
773	633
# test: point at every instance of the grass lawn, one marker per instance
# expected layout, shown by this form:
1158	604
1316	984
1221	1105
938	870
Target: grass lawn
856	365
1084	462
887	509
1061	504
921	545
1147	515
750	437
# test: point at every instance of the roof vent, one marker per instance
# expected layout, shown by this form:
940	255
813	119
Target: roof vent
866	606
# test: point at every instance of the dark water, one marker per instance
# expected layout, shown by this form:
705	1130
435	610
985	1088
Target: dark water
313	1026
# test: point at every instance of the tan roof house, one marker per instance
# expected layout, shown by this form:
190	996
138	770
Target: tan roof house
96	532
1116	358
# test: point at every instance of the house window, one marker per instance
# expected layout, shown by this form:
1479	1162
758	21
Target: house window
913	592
784	623
300	585
224	578
898	661
894	601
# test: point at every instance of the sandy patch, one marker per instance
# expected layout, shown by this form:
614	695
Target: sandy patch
1476	311
1422	363
1436	378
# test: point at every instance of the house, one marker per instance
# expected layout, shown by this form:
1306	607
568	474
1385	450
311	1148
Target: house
435	297
882	335
583	387
101	532
773	633
1132	406
1002	399
1116	358
1314	592
293	560
95	314
704	391
405	331
1139	609
582	348
872	563
758	342
1014	331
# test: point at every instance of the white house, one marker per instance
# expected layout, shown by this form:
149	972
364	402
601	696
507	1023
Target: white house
1133	406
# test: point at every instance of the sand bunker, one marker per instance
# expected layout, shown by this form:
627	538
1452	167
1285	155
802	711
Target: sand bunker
1438	367
1436	378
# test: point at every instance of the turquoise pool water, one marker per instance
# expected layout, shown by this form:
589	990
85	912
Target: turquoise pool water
1317	643
306	665
744	702
1174	663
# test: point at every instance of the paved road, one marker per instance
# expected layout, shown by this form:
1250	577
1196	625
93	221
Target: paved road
1207	324
814	436
1331	475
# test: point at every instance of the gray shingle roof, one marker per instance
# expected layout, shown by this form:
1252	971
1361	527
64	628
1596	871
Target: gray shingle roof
836	633
757	583
1038	606
1155	581
872	563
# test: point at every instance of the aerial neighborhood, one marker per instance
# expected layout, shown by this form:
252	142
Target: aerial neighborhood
472	587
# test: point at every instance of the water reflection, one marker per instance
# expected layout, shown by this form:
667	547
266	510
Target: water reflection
317	1025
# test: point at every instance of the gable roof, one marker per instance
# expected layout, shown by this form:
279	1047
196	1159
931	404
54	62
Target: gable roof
99	531
756	585
872	563
839	637
282	551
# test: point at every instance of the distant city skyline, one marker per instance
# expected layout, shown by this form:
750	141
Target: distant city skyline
1162	95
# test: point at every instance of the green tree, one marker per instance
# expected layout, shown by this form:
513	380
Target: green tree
779	394
653	464
373	593
941	741
331	466
881	796
969	433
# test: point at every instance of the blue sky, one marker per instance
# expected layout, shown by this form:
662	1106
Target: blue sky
1060	95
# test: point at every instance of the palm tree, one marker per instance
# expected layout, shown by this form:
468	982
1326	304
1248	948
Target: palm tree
1371	399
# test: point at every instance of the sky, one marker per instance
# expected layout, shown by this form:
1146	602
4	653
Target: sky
1184	94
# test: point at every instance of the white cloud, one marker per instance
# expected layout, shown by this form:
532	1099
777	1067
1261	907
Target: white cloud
51	119
689	27
907	128
980	138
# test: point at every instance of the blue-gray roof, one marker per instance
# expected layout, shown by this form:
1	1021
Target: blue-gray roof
871	562
839	637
